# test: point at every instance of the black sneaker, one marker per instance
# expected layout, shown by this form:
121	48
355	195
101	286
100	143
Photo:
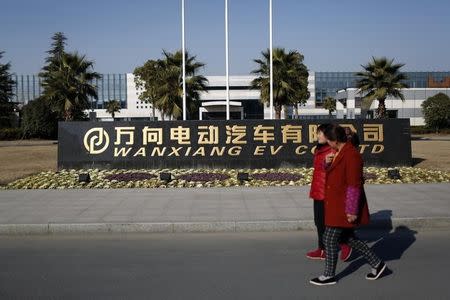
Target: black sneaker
319	281
378	272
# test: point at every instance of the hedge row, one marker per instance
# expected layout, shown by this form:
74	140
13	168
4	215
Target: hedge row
427	130
9	134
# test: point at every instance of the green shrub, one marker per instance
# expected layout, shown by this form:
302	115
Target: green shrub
39	121
9	134
436	112
427	130
421	130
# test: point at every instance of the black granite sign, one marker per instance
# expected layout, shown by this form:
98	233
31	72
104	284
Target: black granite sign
220	144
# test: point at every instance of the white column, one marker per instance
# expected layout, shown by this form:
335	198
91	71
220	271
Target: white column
183	50
226	62
271	58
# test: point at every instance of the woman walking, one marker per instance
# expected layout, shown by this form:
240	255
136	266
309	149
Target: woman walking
317	193
345	205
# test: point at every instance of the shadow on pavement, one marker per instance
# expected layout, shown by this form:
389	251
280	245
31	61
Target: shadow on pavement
417	160
388	244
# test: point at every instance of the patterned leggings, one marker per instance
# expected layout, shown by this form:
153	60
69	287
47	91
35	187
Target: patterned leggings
331	238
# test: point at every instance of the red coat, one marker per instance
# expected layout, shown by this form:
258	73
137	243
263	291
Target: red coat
344	174
317	191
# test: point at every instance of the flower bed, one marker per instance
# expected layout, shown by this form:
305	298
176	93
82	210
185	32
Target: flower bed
126	177
277	176
204	177
370	176
188	178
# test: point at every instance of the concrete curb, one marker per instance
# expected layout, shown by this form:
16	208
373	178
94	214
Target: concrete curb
191	227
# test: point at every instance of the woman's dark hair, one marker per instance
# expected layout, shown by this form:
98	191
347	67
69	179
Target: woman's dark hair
352	137
322	127
335	133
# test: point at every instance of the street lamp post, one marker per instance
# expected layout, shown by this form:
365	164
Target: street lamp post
227	75
271	58
183	50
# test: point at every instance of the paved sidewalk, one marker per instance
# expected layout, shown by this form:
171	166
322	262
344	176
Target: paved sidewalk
216	209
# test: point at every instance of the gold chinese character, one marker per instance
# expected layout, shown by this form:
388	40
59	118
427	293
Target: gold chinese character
208	135
373	133
292	133
180	134
262	133
152	135
235	134
312	133
129	131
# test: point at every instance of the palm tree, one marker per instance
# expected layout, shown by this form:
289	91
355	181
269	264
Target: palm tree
290	79
380	79
159	83
170	85
112	107
69	87
329	104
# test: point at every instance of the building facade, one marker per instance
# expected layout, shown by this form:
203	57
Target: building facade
245	102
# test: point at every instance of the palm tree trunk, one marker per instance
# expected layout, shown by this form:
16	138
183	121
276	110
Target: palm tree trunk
277	106
67	115
153	111
278	112
381	111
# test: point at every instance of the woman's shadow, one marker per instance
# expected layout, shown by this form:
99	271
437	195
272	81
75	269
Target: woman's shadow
389	244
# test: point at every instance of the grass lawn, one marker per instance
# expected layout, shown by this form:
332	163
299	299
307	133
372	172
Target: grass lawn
26	159
431	154
20	159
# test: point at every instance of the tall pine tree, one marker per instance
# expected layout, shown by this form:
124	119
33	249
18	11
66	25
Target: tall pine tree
6	94
67	81
55	54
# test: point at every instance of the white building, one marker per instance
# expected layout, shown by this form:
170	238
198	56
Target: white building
410	109
245	103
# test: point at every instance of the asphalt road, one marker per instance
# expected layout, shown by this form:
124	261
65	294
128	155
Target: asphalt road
216	266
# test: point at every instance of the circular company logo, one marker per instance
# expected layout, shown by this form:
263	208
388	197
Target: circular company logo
96	140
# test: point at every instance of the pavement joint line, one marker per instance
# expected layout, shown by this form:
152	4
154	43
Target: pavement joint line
214	226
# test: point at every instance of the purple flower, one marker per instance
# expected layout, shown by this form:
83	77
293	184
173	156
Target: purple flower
130	176
203	177
368	176
277	176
